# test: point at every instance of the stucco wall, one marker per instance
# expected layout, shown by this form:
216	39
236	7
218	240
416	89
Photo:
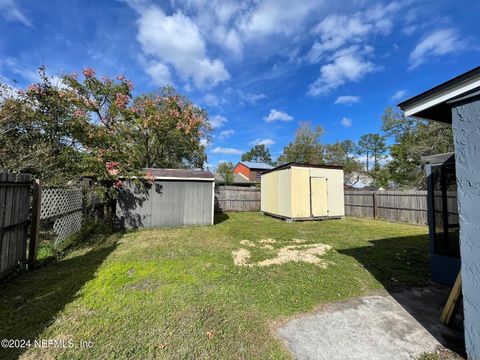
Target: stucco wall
466	130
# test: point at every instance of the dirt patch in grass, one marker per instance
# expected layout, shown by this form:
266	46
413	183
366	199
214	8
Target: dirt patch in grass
305	253
268	241
247	243
298	252
240	257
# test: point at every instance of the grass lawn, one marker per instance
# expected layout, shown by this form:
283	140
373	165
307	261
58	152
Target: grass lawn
176	293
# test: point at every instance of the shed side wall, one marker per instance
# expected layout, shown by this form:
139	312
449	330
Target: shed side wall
276	192
166	203
466	131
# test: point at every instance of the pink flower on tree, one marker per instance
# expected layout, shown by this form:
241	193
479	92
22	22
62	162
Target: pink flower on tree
88	72
121	100
112	167
33	88
121	77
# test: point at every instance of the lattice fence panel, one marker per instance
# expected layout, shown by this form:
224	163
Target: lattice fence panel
67	225
60	201
63	207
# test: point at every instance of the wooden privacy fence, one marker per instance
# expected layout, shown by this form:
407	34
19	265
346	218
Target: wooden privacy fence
399	206
237	198
29	213
17	210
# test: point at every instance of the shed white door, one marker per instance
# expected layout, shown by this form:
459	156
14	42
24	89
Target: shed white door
318	196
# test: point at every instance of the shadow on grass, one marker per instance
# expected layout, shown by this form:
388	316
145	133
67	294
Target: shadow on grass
30	302
220	217
401	264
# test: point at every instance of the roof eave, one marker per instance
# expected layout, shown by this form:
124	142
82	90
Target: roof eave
433	103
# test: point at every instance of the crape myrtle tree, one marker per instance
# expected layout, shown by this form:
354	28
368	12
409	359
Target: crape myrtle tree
94	126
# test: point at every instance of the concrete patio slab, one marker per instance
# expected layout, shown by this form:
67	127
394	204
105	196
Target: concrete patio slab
377	327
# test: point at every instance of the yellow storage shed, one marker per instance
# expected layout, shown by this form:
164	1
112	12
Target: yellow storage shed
303	192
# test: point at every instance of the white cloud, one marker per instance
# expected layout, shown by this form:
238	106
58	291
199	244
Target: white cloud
176	40
342	45
437	43
217	20
347	99
235	25
12	12
277	115
399	95
226	134
204	142
250	97
226	151
336	31
266	142
346	122
217	121
342	69
159	73
277	17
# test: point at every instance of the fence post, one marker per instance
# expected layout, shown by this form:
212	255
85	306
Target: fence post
374	200
35	225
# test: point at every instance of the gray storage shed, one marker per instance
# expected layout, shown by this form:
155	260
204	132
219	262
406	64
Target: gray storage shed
177	197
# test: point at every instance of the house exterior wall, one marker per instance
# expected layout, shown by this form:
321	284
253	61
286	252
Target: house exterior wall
466	131
242	169
276	193
253	175
166	203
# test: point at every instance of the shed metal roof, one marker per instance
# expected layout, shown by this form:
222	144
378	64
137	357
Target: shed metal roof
254	165
293	164
185	174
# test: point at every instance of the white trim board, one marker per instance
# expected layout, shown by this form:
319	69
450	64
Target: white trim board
183	178
443	96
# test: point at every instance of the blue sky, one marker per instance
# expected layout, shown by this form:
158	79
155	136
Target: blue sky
258	67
